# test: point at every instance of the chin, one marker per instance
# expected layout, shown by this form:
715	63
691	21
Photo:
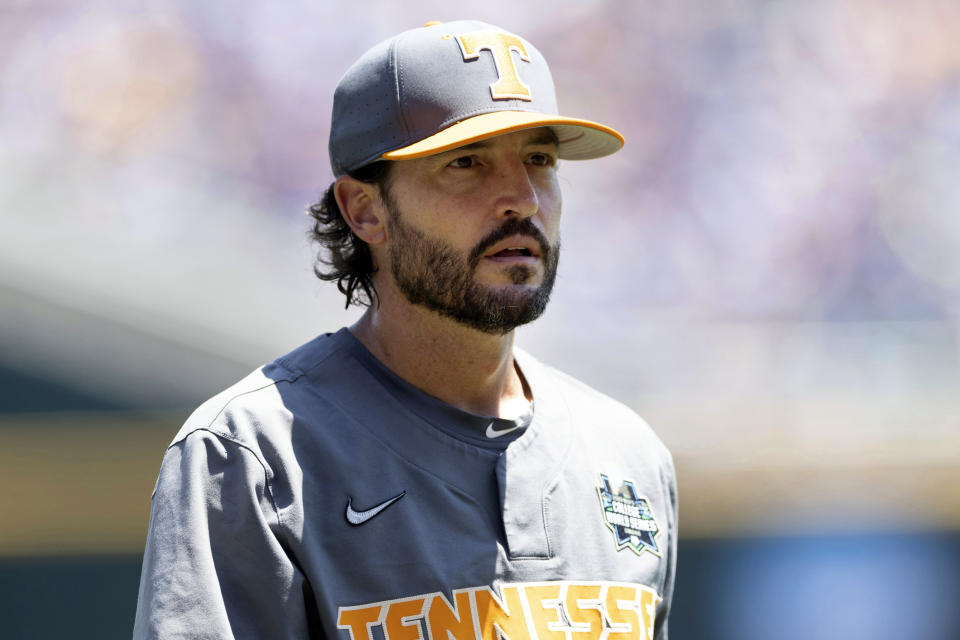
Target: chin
516	276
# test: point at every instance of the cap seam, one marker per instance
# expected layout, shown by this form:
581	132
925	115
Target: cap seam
398	84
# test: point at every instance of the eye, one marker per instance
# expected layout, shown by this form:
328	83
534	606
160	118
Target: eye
542	159
463	162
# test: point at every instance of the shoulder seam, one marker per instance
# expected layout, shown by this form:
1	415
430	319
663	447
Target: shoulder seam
208	425
267	475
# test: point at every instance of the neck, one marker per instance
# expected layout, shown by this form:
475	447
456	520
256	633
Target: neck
468	369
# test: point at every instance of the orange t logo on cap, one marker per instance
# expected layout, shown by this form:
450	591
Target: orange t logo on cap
501	45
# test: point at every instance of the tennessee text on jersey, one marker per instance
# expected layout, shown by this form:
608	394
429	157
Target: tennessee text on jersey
523	611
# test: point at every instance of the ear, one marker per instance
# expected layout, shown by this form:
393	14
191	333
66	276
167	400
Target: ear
362	209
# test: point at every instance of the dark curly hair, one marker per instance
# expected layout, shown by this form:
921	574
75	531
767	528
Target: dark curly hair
343	257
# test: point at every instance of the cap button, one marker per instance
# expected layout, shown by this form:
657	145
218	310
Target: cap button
432	23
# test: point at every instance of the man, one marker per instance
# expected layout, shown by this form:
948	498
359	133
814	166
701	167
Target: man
414	477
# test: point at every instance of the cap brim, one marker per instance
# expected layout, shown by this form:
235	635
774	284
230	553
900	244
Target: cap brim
578	139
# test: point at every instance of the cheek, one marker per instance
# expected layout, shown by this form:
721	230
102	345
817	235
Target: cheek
450	224
551	205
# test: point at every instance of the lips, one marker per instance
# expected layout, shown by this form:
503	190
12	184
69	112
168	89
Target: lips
517	240
513	252
517	247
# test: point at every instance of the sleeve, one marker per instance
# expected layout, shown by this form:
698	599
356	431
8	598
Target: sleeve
661	631
213	565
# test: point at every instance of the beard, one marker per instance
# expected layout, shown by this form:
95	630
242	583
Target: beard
432	274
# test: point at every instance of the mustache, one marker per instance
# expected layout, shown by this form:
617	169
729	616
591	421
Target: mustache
512	227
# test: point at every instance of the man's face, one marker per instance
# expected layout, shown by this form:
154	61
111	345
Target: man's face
473	233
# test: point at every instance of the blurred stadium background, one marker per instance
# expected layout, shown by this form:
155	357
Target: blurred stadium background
769	273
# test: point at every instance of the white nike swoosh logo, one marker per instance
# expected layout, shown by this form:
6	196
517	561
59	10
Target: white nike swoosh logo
493	433
355	517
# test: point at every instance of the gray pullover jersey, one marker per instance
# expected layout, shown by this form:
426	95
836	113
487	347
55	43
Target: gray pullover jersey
325	497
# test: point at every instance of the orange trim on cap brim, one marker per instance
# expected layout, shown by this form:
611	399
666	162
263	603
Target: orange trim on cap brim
488	125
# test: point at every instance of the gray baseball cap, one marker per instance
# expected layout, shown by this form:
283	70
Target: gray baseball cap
446	85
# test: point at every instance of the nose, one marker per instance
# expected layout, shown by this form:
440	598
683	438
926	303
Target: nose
518	194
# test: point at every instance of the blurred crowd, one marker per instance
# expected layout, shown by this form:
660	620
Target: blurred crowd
785	160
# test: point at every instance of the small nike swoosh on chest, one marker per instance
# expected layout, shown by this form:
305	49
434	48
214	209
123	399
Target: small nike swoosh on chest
357	518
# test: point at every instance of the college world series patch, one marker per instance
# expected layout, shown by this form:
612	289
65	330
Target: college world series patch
629	516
